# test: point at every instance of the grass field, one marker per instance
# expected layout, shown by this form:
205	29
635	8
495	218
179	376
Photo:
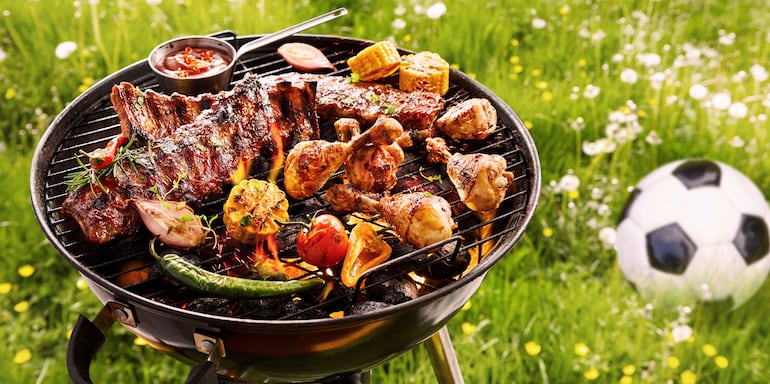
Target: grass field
609	91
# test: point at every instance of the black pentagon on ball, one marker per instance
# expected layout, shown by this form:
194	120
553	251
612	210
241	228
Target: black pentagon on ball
698	173
669	249
751	240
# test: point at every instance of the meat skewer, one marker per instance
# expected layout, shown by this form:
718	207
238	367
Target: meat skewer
480	179
310	164
418	218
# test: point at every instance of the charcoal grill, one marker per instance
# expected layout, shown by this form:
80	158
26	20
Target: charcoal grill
231	343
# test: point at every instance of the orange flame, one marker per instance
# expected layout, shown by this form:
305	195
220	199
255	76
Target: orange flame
266	260
275	134
241	171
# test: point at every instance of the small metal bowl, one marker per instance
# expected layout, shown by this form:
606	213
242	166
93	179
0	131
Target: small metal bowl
208	82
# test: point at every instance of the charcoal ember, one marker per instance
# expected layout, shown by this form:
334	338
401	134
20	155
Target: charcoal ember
210	305
295	308
365	307
382	286
300	309
446	267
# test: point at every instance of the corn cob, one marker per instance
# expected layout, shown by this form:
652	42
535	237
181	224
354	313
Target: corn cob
375	61
424	71
254	208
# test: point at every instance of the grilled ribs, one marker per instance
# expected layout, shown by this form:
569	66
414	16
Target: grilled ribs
193	161
194	144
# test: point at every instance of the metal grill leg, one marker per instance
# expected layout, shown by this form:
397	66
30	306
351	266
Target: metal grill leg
443	358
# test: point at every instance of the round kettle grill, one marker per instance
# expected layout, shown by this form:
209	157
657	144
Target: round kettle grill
244	346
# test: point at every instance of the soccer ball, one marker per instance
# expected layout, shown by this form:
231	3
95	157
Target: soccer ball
695	230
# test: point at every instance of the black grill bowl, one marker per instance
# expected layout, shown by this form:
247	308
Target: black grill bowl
286	350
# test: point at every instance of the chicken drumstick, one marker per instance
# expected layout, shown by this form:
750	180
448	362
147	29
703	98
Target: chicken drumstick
374	166
480	179
418	218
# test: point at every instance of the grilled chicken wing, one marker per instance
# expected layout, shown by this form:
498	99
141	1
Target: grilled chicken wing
418	218
480	179
472	119
310	163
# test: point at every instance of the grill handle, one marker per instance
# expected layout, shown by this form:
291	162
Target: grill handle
87	337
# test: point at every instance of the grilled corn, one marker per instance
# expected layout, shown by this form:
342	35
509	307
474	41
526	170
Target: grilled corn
424	71
375	61
255	208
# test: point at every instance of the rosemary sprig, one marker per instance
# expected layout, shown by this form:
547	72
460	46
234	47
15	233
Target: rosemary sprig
88	176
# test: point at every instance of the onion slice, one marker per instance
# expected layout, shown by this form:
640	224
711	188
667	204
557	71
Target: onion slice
305	57
174	223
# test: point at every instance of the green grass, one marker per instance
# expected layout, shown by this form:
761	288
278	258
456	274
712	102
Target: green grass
557	309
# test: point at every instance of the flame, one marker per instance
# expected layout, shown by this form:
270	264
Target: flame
241	171
275	135
269	264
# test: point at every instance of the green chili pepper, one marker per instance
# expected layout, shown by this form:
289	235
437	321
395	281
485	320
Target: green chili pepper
210	283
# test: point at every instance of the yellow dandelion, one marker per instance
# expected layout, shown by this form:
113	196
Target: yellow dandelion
68	334
468	328
139	341
688	377
455	66
547	96
472	75
574	194
721	362
709	350
672	362
564	10
641	113
581	349
82	88
518	68
532	348
528	124
547	232
512	76
5	288
591	374
626	379
26	270
406	38
10	93
22	356
535	73
514	42
466	306
582	63
22	306
514	59
81	284
541	85
628	369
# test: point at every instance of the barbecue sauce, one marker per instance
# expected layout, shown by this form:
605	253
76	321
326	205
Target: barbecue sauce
191	62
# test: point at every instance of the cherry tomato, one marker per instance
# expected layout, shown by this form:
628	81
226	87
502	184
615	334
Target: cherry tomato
325	243
305	57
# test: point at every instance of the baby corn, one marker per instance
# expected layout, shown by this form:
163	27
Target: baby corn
375	61
424	71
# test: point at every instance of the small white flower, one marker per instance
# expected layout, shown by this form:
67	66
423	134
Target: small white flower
538	23
681	333
598	36
758	72
435	11
738	110
3	55
65	49
602	145
698	91
737	142
608	237
569	183
154	2
727	38
721	101
629	76
617	58
657	79
398	23
400	10
591	91
653	138
649	59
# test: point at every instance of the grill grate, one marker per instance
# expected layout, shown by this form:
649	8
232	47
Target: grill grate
117	262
